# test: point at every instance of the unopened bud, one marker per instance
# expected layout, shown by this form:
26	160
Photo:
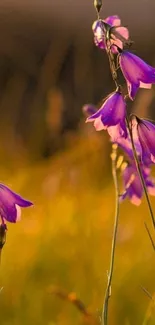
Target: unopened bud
124	166
119	162
98	5
3	230
114	146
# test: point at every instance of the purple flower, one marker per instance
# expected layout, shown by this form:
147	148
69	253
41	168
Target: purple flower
146	134
126	146
111	116
111	25
138	74
10	204
133	186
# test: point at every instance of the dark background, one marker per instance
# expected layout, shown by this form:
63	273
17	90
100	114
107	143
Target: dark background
49	67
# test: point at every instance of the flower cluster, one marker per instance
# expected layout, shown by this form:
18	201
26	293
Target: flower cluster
132	183
110	30
113	38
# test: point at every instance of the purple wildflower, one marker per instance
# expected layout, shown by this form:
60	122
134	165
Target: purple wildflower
133	185
138	74
10	204
111	25
111	116
126	146
146	134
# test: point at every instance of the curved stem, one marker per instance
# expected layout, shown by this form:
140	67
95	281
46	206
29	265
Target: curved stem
112	66
150	236
112	258
140	172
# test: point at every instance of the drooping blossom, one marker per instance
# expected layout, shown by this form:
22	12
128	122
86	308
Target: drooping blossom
10	205
110	30
133	186
126	145
146	134
111	116
138	73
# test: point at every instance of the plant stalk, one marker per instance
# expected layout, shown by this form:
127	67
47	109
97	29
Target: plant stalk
113	247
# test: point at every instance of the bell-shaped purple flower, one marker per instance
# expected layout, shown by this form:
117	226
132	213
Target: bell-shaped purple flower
117	33
111	116
138	74
146	134
133	185
10	205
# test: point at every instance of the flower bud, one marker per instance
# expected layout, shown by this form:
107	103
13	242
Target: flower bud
98	5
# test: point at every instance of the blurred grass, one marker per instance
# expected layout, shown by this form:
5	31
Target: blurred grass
65	240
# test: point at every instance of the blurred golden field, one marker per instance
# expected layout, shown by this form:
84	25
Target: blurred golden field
50	68
65	239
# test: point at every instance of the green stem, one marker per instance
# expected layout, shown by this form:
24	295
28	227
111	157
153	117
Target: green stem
140	172
112	67
112	259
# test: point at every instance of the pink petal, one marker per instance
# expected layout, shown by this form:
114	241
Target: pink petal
135	200
129	86
152	158
147	170
98	124
115	132
118	43
113	20
89	119
18	209
146	86
114	49
116	22
123	31
151	190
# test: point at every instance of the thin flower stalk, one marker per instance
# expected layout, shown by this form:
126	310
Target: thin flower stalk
113	247
150	236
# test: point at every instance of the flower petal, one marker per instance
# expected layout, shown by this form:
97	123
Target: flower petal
136	72
146	86
132	89
132	184
89	109
115	132
99	34
123	31
18	210
113	20
10	204
146	133
98	124
9	196
9	213
111	116
151	190
135	200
